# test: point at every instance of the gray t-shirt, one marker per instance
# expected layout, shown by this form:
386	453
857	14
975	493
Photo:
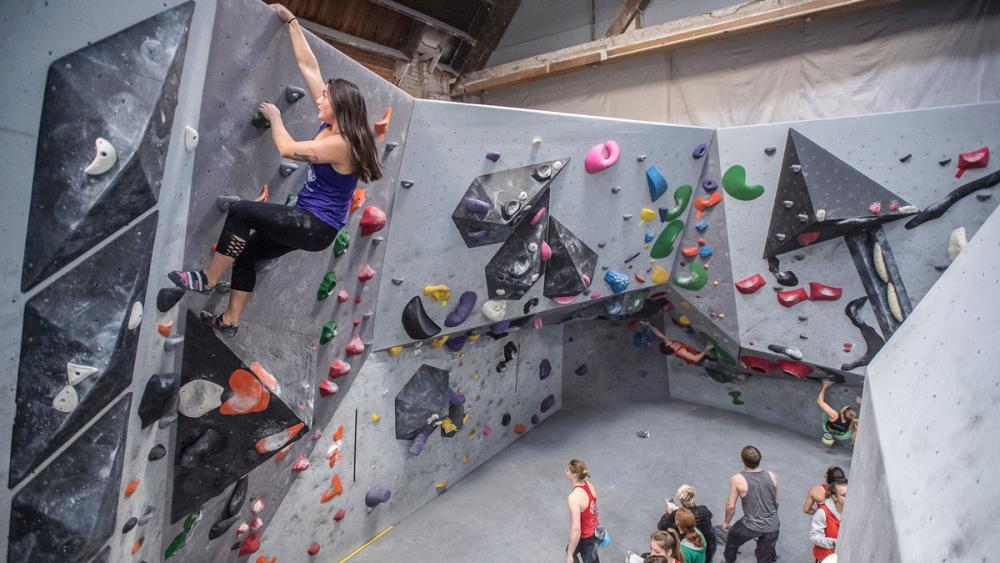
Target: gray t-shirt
760	504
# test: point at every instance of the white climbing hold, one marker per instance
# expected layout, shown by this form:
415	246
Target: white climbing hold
75	373
135	317
956	242
879	259
523	196
557	164
66	400
820	214
534	277
501	291
494	310
893	299
788	203
105	157
190	138
536	141
532	247
909	209
199	397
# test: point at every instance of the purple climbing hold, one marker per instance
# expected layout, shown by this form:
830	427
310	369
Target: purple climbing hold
705	251
455	398
544	369
461	312
376	496
709	185
494	156
632	257
477	206
699	151
476	235
581	370
421	440
456	343
618	281
548	403
500	327
701	226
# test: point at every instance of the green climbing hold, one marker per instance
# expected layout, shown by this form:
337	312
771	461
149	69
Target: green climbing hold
736	397
291	200
664	243
329	331
696	280
259	121
724	355
326	286
682	196
341	243
181	539
718	375
734	181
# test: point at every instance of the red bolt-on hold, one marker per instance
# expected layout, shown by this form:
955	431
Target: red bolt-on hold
313	548
757	364
848	346
640	279
366	273
355	347
807	238
823	292
357	300
795	369
751	284
250	544
342	296
339	367
341	513
978	158
372	220
328	388
790	297
519	428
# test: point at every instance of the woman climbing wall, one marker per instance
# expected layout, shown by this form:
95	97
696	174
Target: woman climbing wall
340	154
842	425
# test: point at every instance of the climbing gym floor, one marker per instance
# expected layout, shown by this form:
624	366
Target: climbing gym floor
513	508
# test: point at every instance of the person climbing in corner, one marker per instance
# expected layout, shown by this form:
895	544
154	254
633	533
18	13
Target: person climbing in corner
340	154
840	425
583	541
677	348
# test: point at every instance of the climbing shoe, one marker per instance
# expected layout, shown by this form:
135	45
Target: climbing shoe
194	280
216	322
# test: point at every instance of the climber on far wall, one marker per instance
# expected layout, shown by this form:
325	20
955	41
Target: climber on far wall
837	425
676	347
340	154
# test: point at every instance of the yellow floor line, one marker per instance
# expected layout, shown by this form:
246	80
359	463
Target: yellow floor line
369	542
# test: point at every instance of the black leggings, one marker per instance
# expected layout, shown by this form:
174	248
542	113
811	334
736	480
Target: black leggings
277	230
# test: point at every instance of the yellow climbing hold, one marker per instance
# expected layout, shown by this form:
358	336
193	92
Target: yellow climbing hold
439	342
465	419
376	418
438	292
715	282
448	426
684	321
472	435
466	458
473	337
395	350
440	485
475	376
722	315
647	215
660	275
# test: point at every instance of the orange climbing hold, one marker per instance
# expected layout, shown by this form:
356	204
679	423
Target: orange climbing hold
339	434
519	428
138	545
131	487
262	559
282	453
248	394
703	203
338	487
277	440
358	199
689	251
264	376
382	125
165	328
265	194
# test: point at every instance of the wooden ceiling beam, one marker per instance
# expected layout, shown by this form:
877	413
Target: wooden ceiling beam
626	13
356	42
425	19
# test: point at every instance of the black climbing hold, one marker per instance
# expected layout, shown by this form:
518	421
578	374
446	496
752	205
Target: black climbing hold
416	322
873	341
209	443
535	419
505	420
130	524
158	397
294	94
422	400
287	167
530	304
167	297
938	209
501	366
259	121
509	351
581	370
224	202
769	151
544	369
517	264
547	403
983	197
222	526
784	277
157	452
239	494
905	158
571	264
944	162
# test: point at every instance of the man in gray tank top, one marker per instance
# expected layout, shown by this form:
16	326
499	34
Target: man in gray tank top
758	490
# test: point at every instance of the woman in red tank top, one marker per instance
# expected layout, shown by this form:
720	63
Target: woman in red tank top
582	515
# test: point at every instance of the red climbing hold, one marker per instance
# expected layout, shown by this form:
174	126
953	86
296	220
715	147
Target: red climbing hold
340	367
328	388
250	544
263	559
339	434
357	299
823	292
256	524
751	284
281	455
807	238
795	369
342	296
847	347
138	545
875	207
355	347
372	221
313	548
640	279
276	441
131	487
341	513
790	297
301	464
757	364
978	158
382	125
366	273
519	428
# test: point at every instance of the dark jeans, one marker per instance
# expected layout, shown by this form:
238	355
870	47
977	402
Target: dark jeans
586	550
276	230
740	534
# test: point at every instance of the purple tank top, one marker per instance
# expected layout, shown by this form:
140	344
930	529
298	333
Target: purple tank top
327	193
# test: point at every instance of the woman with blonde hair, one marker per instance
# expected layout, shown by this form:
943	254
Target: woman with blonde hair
583	520
702	517
841	425
692	540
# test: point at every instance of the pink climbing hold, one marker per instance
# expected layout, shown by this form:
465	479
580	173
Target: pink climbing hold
257	507
875	207
366	273
339	367
487	431
601	157
339	515
807	238
538	216
546	252
242	529
595	294
256	524
301	464
372	221
355	347
564	300
328	388
538	323
751	284
313	548
847	347
823	292
585	279
342	296
791	297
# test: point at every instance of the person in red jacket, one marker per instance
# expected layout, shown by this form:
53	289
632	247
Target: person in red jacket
826	521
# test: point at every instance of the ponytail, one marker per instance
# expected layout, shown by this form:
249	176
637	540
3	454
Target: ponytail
686	524
669	542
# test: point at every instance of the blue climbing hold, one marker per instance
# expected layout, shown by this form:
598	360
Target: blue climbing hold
709	185
705	251
642	338
699	151
701	226
657	183
613	307
618	281
648	237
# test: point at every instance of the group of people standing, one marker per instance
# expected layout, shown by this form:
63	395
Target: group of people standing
685	533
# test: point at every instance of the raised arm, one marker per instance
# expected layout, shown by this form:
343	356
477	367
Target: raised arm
821	401
304	57
656	332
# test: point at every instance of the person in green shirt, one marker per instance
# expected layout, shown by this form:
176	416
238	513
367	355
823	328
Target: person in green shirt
692	541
